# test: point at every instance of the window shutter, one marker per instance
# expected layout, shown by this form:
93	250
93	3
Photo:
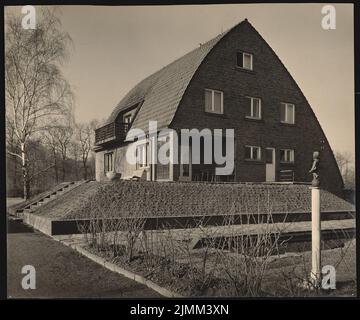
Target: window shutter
247	152
208	100
239	59
217	102
282	155
282	112
248	108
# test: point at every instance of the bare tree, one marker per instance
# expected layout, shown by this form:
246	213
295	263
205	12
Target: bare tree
85	138
35	90
74	150
346	166
58	138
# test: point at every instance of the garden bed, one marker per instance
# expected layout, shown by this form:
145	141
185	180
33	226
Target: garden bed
282	277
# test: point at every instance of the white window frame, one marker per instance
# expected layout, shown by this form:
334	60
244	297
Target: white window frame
252	108
213	101
286	112
251	60
291	153
108	165
252	153
127	115
143	149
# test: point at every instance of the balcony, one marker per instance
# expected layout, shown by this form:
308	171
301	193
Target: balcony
111	132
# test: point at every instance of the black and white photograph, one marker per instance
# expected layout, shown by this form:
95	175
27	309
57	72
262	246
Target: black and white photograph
180	151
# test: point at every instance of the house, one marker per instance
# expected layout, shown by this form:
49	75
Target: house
234	81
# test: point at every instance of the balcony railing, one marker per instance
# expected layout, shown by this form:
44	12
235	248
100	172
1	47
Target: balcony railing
111	132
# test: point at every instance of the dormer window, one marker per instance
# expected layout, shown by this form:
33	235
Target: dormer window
244	60
127	117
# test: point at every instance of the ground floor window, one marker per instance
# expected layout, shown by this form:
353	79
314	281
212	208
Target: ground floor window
252	153
287	155
108	162
142	154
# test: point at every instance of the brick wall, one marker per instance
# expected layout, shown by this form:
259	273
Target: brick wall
271	82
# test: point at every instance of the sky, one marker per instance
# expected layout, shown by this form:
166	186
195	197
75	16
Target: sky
116	47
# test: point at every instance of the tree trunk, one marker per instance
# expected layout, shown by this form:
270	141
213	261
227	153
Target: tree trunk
56	167
63	170
85	170
76	170
25	173
15	175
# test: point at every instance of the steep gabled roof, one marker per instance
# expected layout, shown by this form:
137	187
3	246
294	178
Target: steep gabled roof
162	91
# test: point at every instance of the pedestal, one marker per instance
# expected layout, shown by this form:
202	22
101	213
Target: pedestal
315	236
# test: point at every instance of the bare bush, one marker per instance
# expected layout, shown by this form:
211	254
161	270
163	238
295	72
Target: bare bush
106	231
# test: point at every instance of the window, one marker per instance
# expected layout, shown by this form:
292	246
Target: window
141	156
214	101
252	153
108	162
253	110
287	112
244	60
127	118
287	155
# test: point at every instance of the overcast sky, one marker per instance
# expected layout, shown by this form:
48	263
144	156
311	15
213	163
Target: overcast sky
116	47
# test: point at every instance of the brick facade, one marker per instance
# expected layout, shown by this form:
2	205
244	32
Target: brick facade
271	82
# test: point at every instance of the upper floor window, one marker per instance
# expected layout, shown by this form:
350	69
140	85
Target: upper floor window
214	101
127	117
287	155
253	109
244	60
252	153
108	162
287	111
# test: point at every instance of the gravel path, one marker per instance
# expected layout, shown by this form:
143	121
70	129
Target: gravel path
61	272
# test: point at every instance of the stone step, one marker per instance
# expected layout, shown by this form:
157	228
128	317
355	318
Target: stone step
49	197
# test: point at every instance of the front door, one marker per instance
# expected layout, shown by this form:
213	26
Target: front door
270	164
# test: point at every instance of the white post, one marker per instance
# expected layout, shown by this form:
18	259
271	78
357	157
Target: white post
315	236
